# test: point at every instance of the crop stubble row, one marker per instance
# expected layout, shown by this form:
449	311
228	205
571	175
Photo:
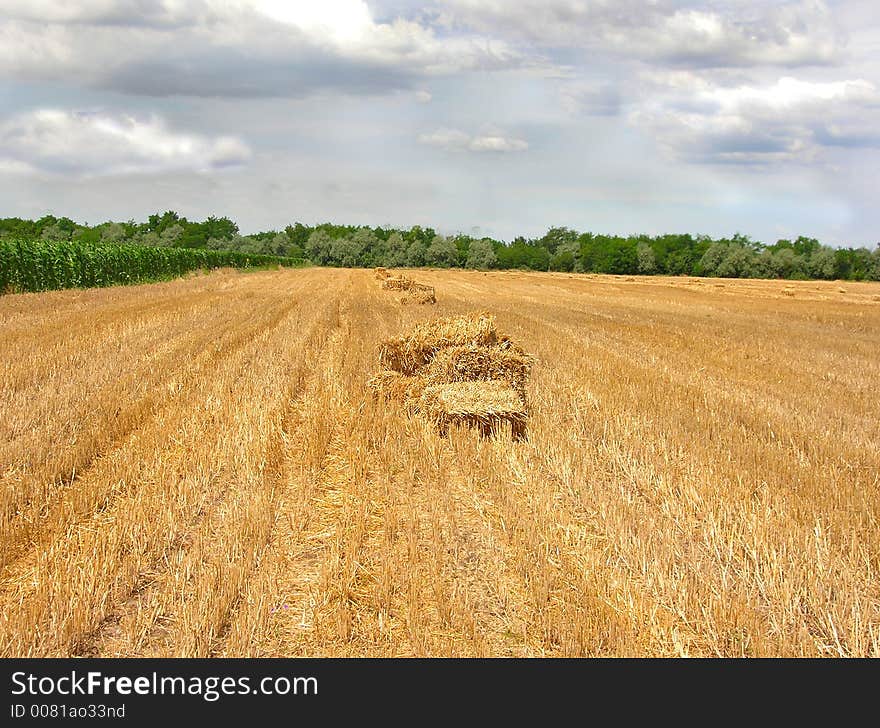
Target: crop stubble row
700	475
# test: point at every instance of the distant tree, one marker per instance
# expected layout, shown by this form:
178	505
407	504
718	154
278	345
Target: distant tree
462	244
821	263
442	252
298	234
711	261
318	247
279	244
55	231
481	255
557	236
112	232
788	263
395	251
647	260
738	262
219	227
171	236
147	238
158	223
88	235
415	253
372	248
346	251
562	260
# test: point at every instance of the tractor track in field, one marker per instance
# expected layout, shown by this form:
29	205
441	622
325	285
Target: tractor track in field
107	637
16	574
18	531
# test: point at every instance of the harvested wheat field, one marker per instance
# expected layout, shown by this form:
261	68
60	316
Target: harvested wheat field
199	468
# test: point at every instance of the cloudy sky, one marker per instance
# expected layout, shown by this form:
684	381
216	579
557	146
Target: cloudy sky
498	117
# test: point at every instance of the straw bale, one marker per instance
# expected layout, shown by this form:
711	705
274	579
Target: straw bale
486	406
397	284
503	362
417	293
409	354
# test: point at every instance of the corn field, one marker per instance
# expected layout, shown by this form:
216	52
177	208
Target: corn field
39	265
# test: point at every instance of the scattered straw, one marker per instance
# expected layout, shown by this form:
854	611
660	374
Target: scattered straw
395	387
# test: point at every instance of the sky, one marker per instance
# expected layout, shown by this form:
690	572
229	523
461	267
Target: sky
488	117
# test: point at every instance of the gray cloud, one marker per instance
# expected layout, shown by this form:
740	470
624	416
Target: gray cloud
250	48
101	144
789	120
697	34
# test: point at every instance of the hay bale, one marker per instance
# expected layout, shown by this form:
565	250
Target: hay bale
390	386
419	294
381	273
485	406
788	291
409	354
397	284
471	363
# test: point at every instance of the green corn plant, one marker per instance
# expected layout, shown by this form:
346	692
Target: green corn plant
41	265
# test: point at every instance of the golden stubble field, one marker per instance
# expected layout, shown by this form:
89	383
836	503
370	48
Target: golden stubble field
196	468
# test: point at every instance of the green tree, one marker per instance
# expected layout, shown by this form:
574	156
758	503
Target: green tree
372	248
738	262
55	231
712	259
170	237
318	247
647	260
415	253
556	237
298	234
788	263
346	251
112	232
442	252
481	255
395	251
821	263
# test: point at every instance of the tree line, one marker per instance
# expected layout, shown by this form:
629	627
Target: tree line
560	249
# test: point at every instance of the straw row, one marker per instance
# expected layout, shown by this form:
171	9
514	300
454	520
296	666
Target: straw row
457	370
413	292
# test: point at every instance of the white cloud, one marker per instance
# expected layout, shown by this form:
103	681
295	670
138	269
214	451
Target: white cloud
423	97
99	144
495	143
237	48
699	34
788	120
489	141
